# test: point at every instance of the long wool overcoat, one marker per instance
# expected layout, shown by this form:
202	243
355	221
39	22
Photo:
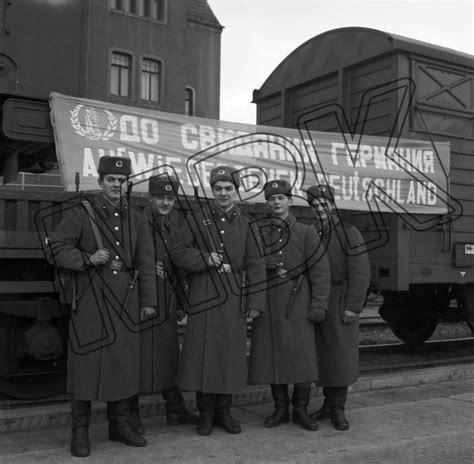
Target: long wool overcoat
337	344
159	343
283	349
213	359
103	356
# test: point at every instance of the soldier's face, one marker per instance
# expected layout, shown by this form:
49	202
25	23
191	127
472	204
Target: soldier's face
162	204
113	186
323	208
279	205
224	193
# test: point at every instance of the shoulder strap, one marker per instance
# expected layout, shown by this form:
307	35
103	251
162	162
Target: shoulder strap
95	229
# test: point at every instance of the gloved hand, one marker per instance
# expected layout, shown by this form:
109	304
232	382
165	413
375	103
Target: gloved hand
349	316
271	262
316	315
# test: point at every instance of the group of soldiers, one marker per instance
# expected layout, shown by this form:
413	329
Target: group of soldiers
135	275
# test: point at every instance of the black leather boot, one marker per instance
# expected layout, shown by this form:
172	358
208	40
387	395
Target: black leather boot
118	413
205	405
134	419
338	418
222	417
80	417
281	414
300	401
322	413
176	412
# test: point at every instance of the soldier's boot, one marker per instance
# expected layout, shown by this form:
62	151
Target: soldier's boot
222	417
338	418
176	412
134	419
80	418
118	413
324	412
281	414
205	405
300	402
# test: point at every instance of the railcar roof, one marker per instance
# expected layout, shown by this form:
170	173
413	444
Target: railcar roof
338	48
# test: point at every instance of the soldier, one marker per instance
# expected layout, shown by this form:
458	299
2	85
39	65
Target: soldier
337	338
216	246
159	344
107	247
283	347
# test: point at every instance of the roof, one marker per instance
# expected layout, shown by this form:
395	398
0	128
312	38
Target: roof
331	50
200	12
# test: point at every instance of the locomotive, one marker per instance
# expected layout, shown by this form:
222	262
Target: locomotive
361	81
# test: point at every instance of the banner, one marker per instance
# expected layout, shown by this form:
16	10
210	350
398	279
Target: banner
367	173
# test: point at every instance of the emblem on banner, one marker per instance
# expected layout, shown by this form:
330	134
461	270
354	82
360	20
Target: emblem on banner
90	127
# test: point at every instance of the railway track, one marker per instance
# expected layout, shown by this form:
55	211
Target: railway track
400	356
377	358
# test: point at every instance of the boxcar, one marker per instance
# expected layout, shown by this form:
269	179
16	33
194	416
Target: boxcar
419	270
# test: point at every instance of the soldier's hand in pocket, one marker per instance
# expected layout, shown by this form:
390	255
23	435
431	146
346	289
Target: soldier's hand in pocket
349	316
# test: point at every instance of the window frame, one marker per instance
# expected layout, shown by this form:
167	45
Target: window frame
193	100
161	74
124	7
130	56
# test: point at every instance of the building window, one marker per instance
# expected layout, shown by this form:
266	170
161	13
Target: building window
152	9
120	73
151	80
189	101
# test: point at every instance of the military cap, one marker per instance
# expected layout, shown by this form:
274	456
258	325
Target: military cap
114	165
320	191
163	184
224	173
274	187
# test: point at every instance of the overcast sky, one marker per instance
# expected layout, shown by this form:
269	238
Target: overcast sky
259	34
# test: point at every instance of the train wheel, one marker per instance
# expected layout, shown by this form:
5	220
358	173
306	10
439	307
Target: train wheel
34	387
413	330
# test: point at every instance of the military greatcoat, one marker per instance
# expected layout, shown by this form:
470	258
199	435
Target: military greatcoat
103	356
213	359
337	344
159	343
283	348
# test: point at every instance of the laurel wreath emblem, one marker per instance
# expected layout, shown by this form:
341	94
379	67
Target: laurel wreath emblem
97	135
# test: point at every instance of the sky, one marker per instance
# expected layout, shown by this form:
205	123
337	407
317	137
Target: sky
259	34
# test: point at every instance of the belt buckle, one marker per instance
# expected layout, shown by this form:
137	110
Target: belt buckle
116	265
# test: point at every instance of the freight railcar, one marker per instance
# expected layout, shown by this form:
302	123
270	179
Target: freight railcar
363	81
